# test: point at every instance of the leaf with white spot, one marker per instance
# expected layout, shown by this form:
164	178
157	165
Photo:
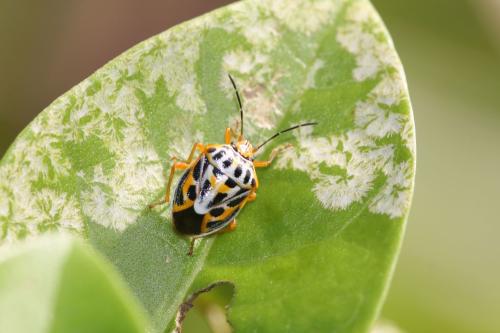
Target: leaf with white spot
316	250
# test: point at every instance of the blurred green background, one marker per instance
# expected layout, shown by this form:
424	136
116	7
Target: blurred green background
448	276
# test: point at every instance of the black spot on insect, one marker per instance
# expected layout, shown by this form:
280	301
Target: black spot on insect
218	198
227	163
214	224
237	172
241	191
219	223
217	212
205	188
219	155
183	179
191	192
253	182
247	177
217	172
179	197
211	150
197	170
237	201
205	165
230	183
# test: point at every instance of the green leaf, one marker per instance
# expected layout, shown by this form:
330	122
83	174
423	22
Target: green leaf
57	284
317	248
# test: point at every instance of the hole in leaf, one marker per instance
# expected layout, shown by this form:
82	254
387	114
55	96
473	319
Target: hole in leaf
205	310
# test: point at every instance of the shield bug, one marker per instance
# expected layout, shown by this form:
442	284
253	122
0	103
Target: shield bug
217	184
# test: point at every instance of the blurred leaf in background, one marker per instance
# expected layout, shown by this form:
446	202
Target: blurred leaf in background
59	284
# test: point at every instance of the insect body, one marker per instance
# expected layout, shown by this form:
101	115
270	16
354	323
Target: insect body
217	184
210	194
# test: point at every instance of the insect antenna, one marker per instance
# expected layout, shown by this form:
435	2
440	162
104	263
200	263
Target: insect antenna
239	102
283	131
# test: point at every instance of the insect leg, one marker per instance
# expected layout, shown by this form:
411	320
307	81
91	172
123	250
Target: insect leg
196	146
276	151
227	136
229	131
191	247
175	166
178	166
230	227
252	196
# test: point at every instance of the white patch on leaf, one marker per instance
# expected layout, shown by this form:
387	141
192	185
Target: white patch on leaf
394	197
263	33
242	61
38	155
25	212
339	192
4	204
118	195
364	36
256	22
310	79
409	135
344	167
259	91
105	209
41	153
374	114
52	211
305	16
77	129
173	58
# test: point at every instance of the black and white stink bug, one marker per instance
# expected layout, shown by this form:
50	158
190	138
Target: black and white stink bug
217	184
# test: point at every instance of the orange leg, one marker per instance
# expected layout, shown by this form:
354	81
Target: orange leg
177	166
276	151
252	196
227	134
196	146
230	227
